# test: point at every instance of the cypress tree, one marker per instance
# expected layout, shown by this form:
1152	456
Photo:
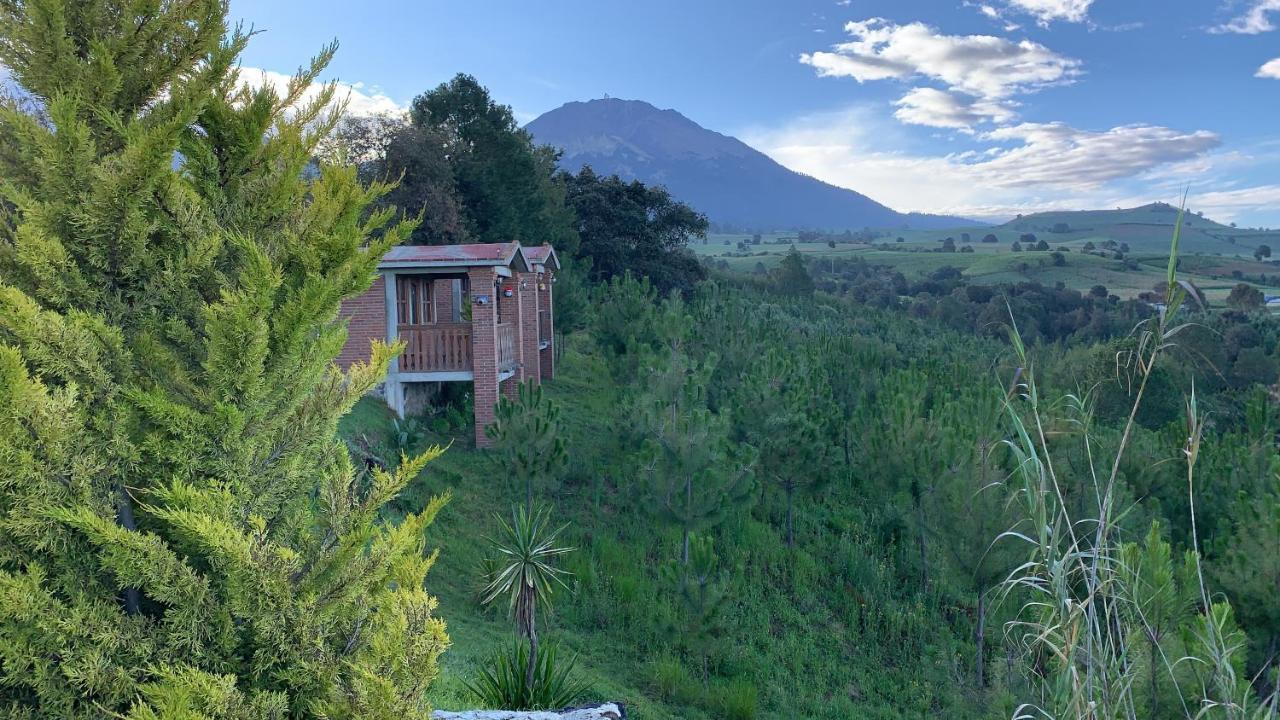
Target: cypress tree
181	533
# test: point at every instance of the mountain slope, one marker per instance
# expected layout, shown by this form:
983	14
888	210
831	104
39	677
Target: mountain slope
719	175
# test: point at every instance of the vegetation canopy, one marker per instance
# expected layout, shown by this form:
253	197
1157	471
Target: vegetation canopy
182	533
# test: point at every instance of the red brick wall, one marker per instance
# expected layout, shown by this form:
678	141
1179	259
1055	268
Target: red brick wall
530	365
548	356
442	298
366	316
484	351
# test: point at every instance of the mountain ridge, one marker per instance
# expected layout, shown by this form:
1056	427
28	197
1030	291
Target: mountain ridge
719	175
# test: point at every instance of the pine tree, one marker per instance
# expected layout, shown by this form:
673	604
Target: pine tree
696	476
1161	598
702	587
181	534
527	442
785	412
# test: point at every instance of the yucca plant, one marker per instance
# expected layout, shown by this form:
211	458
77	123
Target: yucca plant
1090	606
510	685
526	574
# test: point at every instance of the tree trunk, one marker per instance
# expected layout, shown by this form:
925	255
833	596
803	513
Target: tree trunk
1153	681
528	495
980	640
124	516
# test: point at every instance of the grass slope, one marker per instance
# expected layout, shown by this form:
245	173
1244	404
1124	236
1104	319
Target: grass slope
791	631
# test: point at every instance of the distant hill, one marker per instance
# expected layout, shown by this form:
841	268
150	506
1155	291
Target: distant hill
719	175
1147	228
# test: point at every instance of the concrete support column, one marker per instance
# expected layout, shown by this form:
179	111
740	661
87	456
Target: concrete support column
530	362
484	348
392	389
547	358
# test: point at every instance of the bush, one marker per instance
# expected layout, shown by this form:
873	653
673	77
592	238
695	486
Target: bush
735	700
504	685
672	682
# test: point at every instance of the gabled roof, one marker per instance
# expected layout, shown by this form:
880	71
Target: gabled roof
544	255
459	256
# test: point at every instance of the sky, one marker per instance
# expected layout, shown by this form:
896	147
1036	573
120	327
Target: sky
983	108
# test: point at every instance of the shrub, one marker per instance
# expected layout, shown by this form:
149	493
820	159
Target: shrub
671	680
504	685
735	700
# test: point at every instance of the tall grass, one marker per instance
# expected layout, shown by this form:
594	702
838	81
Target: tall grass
1081	628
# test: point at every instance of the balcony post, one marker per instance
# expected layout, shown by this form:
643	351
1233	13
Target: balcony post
392	388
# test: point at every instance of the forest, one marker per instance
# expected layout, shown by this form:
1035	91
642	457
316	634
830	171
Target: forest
820	490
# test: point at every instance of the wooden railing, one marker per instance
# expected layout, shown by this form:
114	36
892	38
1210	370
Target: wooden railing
506	347
544	326
440	347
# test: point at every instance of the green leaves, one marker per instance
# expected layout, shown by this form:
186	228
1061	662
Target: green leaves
527	552
175	508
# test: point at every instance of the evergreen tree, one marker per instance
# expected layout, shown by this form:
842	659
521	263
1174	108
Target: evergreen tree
785	412
181	533
527	442
696	477
1162	599
792	276
702	587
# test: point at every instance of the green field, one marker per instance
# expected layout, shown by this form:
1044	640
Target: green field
1211	251
1209	256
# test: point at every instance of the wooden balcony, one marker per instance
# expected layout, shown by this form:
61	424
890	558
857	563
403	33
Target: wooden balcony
439	347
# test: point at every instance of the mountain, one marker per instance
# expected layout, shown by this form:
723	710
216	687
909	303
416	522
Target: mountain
723	177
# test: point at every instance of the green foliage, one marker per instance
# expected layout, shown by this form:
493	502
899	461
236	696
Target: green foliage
182	534
630	227
504	182
784	411
528	445
526	572
505	685
700	584
792	277
696	478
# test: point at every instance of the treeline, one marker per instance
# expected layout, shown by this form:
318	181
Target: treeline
462	164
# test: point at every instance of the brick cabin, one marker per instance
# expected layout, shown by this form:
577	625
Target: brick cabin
479	313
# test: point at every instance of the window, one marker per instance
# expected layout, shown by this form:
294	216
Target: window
413	300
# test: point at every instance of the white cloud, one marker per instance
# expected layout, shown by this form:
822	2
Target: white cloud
361	101
1228	205
1017	169
1058	155
937	108
1046	11
1255	20
979	65
1270	69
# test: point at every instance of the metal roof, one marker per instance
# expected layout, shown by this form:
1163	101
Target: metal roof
542	255
473	255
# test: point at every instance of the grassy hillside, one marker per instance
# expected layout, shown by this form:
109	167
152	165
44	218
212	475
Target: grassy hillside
834	611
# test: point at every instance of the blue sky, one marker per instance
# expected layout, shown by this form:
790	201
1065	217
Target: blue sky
985	108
